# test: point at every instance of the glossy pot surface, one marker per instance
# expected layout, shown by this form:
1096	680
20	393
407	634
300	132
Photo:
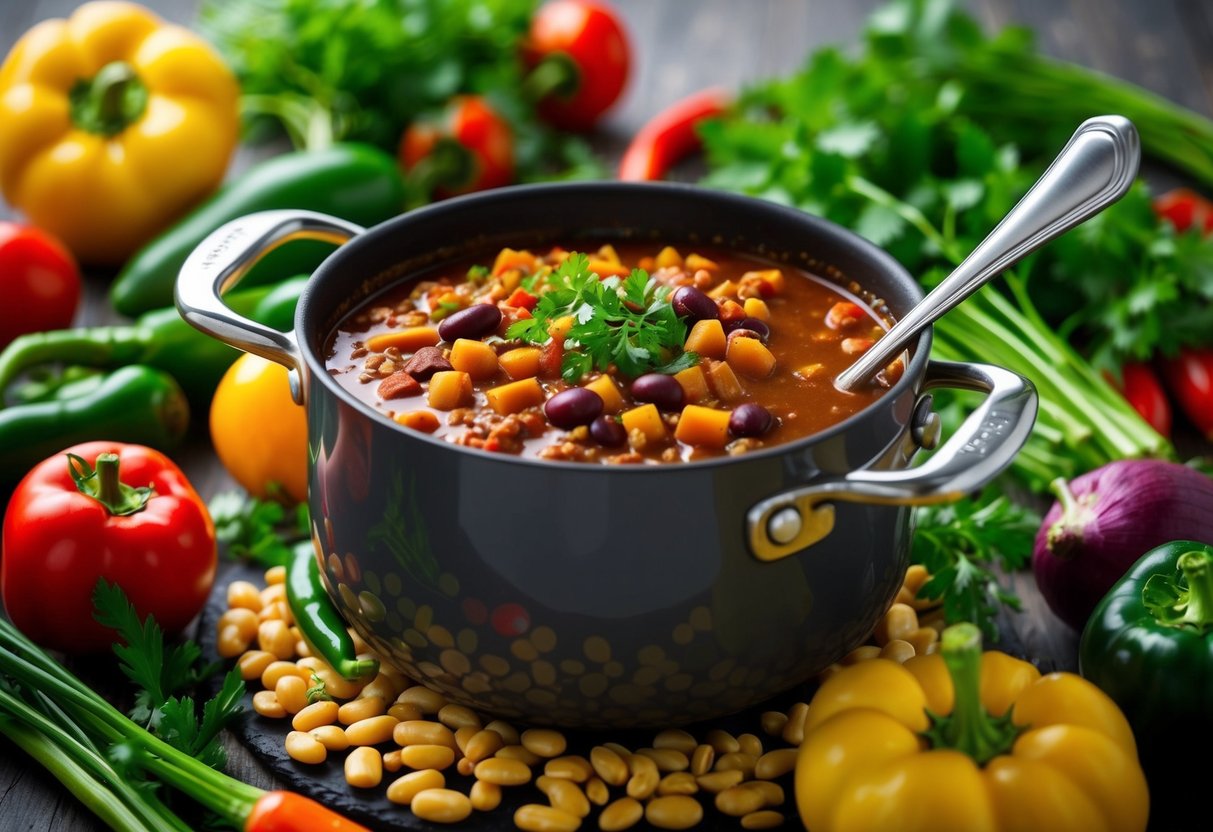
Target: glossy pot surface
605	596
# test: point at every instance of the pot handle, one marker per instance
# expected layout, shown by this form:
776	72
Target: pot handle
226	255
982	447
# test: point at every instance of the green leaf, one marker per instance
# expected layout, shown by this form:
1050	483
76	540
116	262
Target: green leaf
880	224
849	140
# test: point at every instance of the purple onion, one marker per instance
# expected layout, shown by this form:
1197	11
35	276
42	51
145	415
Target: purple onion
1105	520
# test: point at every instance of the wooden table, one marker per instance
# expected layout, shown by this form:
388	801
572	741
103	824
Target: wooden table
682	46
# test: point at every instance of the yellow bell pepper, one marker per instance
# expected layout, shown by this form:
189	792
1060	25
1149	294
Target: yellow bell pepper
963	740
114	124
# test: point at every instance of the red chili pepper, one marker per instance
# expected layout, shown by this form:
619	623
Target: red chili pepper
671	135
39	282
1142	389
579	54
467	147
1189	377
290	812
135	520
1185	208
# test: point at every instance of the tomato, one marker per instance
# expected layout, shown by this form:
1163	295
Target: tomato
580	58
1142	389
1185	208
1189	377
467	147
68	526
259	433
39	282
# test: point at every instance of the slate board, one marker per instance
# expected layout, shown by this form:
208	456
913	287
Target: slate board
326	783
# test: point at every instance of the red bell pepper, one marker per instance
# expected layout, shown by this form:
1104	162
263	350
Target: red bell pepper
134	520
39	281
579	57
671	135
467	147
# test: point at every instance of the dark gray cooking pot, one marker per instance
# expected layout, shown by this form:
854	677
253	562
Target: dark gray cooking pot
606	596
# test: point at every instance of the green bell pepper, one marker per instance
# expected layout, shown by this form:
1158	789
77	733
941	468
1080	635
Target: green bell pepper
1149	645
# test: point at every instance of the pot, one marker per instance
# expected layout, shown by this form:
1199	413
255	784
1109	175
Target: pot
607	596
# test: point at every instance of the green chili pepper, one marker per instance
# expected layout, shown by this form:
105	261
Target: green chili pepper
355	182
317	617
1149	646
131	404
159	339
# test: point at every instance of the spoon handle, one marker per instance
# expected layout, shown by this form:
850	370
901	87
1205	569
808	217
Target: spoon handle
1093	170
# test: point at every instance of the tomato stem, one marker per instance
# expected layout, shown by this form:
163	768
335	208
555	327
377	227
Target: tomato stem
109	102
448	165
557	74
969	728
1197	567
106	487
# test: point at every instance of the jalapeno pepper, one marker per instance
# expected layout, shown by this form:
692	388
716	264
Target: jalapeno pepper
132	404
159	339
318	620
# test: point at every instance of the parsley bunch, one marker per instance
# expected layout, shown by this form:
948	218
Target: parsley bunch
629	323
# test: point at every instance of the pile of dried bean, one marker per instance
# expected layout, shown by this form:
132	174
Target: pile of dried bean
388	725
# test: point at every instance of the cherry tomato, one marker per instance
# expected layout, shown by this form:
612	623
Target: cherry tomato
511	620
467	147
579	54
1185	208
1189	377
39	282
1142	389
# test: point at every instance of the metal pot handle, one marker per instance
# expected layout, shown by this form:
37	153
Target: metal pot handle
982	447
224	257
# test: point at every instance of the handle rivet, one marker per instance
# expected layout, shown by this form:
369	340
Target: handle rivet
925	425
784	525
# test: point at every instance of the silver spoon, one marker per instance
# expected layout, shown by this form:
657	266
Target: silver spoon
1093	170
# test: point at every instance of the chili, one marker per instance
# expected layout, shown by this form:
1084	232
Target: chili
317	617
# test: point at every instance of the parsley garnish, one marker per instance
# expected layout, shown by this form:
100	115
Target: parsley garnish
254	529
629	323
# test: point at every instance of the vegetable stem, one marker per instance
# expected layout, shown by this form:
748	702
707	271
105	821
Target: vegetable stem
1197	567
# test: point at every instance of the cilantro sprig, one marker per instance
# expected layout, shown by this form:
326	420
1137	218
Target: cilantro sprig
629	323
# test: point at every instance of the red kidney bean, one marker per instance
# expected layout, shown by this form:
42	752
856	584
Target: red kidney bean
425	362
689	302
660	389
750	419
759	327
608	432
476	321
573	407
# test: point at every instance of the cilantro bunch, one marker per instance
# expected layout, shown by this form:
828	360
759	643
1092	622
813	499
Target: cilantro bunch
629	323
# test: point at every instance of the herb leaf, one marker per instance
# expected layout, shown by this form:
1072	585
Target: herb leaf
252	528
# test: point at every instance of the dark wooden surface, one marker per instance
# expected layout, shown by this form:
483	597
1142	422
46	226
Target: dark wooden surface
681	46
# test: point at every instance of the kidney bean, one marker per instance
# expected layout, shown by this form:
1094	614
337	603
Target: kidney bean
750	419
660	389
573	407
608	432
476	321
760	328
690	303
425	362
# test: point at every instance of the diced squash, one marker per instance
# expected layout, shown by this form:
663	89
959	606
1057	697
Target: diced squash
750	357
809	371
608	391
508	259
772	278
560	327
475	358
607	268
694	383
522	362
421	420
515	396
757	308
669	258
450	389
705	427
647	420
409	339
707	339
695	262
608	253
723	382
727	289
511	280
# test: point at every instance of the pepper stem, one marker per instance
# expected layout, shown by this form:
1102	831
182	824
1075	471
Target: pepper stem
104	485
1065	535
109	102
449	165
1197	567
557	74
969	728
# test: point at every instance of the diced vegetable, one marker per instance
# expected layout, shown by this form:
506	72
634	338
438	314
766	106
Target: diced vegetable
521	362
421	420
409	339
647	420
750	357
515	396
757	308
694	383
703	426
608	391
723	382
450	389
706	339
475	358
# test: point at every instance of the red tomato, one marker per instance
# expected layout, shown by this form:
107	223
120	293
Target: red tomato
39	282
1185	209
467	147
583	46
59	540
511	620
1189	377
1142	389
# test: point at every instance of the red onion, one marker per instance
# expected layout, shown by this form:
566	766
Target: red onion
1106	520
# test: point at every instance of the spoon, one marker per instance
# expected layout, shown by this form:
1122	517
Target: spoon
1093	170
